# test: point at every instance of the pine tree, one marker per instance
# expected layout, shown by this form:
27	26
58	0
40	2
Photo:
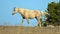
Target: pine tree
54	11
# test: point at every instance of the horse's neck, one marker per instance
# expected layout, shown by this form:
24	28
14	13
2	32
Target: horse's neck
21	12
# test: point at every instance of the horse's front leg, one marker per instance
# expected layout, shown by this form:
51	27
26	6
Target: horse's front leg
22	22
27	21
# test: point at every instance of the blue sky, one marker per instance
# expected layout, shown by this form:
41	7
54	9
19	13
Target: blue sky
6	9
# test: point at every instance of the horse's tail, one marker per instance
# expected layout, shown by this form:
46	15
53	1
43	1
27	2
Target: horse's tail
40	12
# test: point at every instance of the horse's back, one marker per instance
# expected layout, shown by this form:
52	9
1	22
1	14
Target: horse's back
30	13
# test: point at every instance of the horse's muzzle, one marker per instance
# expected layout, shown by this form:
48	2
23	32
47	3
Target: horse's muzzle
13	13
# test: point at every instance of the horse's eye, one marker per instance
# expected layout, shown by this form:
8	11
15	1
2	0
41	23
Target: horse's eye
14	10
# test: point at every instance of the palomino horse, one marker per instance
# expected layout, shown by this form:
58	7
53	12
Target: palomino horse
29	14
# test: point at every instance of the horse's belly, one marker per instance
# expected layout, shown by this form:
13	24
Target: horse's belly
32	16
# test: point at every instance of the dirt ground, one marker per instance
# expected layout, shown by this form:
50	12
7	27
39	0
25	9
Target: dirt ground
28	30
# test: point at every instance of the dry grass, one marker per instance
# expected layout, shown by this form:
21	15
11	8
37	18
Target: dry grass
28	30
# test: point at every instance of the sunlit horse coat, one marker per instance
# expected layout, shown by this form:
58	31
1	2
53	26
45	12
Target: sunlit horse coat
28	14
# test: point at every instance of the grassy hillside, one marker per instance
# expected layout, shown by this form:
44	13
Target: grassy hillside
28	30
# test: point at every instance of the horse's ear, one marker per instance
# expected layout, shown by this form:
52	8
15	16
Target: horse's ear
14	8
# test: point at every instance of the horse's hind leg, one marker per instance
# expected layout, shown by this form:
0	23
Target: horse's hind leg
39	22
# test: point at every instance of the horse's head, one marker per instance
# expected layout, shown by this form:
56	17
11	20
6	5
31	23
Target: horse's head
15	10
